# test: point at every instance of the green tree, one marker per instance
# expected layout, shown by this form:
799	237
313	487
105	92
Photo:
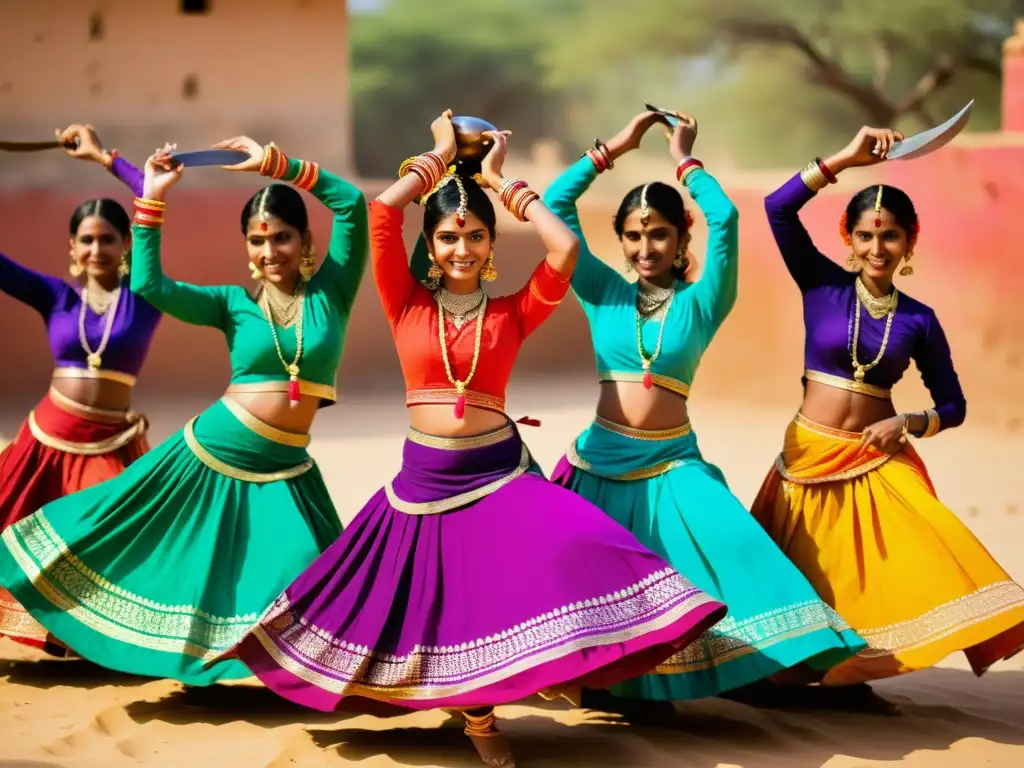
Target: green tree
776	75
411	60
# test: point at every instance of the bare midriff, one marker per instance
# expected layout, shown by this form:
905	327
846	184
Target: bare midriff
103	394
631	404
275	409
439	419
841	409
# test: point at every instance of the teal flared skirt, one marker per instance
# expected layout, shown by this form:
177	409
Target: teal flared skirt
657	484
158	570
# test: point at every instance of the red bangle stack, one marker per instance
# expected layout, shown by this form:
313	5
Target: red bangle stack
149	213
686	167
308	175
275	162
826	170
516	196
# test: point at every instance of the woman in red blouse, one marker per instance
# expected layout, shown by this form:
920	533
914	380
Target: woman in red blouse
469	580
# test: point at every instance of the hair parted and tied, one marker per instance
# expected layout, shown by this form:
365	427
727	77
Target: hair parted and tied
878	207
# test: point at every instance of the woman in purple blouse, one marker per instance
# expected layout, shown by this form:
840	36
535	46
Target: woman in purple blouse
82	432
849	500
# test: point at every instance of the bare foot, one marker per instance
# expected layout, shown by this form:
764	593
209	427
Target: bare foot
490	743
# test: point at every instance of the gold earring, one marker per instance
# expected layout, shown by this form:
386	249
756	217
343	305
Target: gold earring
124	268
629	266
489	273
75	268
680	260
255	272
907	269
307	263
852	262
434	275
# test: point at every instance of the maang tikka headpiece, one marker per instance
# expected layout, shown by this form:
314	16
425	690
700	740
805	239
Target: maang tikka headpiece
645	209
452	175
261	208
878	207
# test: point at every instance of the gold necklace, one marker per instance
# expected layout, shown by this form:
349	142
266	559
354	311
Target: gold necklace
283	310
95	359
651	302
647	362
460	386
462	307
877	306
294	394
859	371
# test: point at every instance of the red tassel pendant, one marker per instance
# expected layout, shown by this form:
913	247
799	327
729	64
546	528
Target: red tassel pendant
294	395
648	380
460	406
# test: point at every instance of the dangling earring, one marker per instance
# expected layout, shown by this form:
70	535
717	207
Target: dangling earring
489	273
307	263
255	272
907	269
124	268
680	260
75	268
629	266
434	275
852	262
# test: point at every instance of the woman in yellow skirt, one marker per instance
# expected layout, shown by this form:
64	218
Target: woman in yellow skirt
849	500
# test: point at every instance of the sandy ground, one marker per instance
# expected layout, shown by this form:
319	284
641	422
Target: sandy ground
57	713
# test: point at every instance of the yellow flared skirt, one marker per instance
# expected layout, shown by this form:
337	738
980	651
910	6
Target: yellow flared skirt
907	575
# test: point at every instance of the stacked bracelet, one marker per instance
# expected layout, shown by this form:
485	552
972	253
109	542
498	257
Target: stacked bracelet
149	213
308	175
934	423
275	162
108	161
687	166
428	168
816	175
516	196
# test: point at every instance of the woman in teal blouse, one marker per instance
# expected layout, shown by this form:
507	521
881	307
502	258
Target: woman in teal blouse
639	461
160	569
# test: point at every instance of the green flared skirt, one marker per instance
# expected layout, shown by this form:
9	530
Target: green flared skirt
658	486
158	570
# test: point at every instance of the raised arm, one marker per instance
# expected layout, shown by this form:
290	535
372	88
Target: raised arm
82	142
38	291
536	300
391	273
808	266
198	305
717	287
345	261
591	275
935	362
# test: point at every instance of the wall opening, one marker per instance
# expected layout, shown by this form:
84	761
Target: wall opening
195	6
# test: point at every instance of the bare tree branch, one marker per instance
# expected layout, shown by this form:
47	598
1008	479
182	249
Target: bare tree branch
883	61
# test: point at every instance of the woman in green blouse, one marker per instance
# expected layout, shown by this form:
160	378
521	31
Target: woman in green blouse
163	567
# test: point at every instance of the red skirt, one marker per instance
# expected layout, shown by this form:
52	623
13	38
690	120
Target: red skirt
55	453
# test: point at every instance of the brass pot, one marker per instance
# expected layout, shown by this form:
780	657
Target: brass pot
471	144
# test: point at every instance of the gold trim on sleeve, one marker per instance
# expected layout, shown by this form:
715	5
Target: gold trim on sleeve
535	291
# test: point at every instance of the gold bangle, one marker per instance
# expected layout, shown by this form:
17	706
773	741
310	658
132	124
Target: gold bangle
812	175
934	423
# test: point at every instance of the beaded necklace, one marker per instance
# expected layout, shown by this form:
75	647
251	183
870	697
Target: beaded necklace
294	393
645	361
94	359
886	306
460	386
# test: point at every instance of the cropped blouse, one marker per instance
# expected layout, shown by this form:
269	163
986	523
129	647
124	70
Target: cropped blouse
829	303
413	314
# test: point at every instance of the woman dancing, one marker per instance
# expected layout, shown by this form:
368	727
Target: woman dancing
469	580
82	432
639	461
849	500
158	570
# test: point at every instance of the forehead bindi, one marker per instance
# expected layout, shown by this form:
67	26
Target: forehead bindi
872	221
